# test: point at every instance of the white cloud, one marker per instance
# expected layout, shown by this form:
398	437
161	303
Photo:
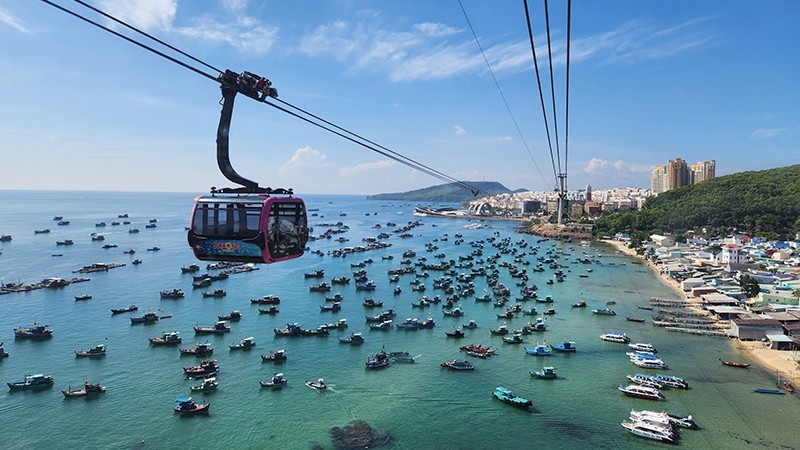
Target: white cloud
436	29
234	5
303	157
459	131
245	34
149	15
367	167
597	166
771	132
8	19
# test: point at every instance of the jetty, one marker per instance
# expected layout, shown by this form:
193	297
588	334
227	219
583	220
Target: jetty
98	267
47	283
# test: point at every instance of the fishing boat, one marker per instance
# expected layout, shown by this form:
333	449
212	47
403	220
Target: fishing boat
458	365
172	293
3	352
124	310
209	384
96	351
549	312
564	347
33	332
501	330
547	373
266	300
604	312
321	287
455	312
635	319
513	339
340	280
216	293
218	328
200	349
271	310
769	391
643	347
31	382
734	364
245	344
506	396
383	326
206	368
333	307
456	333
539	350
612	336
355	338
378	360
188	407
167	338
650	431
319	385
88	388
638	391
411	323
371	303
315	274
233	316
471	325
191	268
83	297
276	356
580	304
146	318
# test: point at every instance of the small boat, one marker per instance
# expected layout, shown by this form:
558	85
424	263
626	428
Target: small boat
146	318
604	312
88	388
172	293
646	308
136	262
642	347
209	384
635	319
769	391
200	349
456	333
333	307
276	356
405	359
612	336
34	332
550	312
83	297
458	365
3	352
167	338
650	431
188	407
218	328
271	310
638	391
245	344
266	300
233	316
580	304
547	373
318	385
471	325
314	274
216	293
513	339
539	350
355	338
153	249
206	368
734	363
124	310
385	325
505	395
378	360
501	330
564	347
96	351
191	268
36	381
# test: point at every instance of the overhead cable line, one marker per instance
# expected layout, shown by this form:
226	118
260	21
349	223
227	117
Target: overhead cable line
552	84
489	66
566	115
541	94
355	137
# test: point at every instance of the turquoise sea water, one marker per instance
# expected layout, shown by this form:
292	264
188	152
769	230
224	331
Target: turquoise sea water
420	405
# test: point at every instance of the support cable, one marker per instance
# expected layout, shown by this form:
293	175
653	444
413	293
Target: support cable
566	125
552	84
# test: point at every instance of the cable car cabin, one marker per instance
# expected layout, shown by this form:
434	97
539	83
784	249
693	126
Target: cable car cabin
253	229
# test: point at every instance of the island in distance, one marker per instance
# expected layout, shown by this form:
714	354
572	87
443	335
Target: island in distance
447	193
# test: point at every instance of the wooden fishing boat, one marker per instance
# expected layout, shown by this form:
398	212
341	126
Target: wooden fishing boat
276	356
124	310
88	388
635	319
187	407
97	350
769	391
734	364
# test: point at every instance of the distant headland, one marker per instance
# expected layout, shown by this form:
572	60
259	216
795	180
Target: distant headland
449	193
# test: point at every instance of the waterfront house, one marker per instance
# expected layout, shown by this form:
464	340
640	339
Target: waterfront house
754	329
780	342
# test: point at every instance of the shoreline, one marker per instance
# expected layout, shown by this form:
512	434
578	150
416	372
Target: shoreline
779	361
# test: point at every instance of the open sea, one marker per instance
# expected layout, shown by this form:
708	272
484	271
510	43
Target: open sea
421	405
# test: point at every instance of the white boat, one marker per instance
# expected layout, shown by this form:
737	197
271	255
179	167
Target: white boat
658	419
643	347
615	337
650	363
649	431
634	390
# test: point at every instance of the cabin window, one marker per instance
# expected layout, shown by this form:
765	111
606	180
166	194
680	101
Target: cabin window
288	229
227	220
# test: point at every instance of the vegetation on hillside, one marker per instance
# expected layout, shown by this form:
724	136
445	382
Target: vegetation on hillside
762	203
450	193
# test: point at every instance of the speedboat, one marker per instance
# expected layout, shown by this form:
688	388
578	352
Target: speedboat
650	431
643	347
318	385
672	381
635	390
612	336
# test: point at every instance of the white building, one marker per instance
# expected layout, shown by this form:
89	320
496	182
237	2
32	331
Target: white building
732	254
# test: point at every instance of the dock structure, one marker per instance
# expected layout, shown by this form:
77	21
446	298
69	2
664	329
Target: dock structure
670	303
697	331
47	283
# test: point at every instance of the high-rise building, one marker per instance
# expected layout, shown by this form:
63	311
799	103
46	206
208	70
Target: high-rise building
702	171
658	180
588	195
678	173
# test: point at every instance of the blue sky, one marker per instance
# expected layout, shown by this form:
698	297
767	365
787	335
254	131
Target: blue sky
650	81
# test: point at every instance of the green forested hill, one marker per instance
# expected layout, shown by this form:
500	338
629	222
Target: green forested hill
444	193
764	203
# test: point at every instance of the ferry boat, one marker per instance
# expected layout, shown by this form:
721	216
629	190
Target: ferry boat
506	396
672	381
650	431
635	390
96	351
188	407
645	380
36	381
88	388
33	332
458	365
612	336
167	338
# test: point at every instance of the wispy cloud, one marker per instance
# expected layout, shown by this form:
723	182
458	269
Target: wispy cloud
150	15
764	133
8	19
459	131
367	167
602	167
245	34
303	157
430	51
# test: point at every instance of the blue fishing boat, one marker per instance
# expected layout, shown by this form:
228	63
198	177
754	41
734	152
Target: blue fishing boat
769	391
564	347
37	381
505	395
539	350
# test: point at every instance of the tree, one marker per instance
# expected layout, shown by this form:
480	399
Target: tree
749	286
796	294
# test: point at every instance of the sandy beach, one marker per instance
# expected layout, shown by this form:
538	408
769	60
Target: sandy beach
784	362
